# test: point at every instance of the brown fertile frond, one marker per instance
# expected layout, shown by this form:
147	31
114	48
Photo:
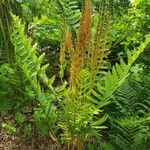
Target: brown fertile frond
83	53
100	49
83	43
66	44
84	35
74	70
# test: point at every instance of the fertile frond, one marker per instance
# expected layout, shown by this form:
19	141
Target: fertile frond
83	44
101	46
78	49
82	51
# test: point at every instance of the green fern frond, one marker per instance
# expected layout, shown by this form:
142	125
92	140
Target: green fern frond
128	129
80	112
119	73
70	12
28	61
132	98
27	58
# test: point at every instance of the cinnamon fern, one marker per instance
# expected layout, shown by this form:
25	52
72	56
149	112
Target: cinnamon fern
27	58
84	52
91	55
132	133
114	79
30	63
80	117
80	103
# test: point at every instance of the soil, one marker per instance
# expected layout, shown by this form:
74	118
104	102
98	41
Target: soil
19	142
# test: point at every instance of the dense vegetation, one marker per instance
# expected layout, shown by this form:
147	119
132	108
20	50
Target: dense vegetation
76	73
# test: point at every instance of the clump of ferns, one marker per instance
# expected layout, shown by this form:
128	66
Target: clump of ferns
81	102
87	93
86	58
132	98
132	102
130	132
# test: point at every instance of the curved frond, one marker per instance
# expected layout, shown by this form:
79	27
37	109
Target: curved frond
119	73
27	58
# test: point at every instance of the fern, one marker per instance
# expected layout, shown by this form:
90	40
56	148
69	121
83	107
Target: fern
85	55
131	100
5	21
80	103
79	119
27	59
70	13
83	51
130	132
31	66
114	79
77	48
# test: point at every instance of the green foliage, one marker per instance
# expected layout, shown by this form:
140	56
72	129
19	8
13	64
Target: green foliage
132	102
20	118
131	99
4	71
9	127
128	29
80	110
114	79
5	32
46	30
70	13
79	115
31	66
132	133
27	59
6	48
45	116
47	19
27	130
14	94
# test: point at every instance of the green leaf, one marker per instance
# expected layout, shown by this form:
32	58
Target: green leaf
100	121
51	80
43	69
135	2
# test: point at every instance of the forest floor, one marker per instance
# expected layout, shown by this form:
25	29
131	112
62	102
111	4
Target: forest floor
20	142
12	142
